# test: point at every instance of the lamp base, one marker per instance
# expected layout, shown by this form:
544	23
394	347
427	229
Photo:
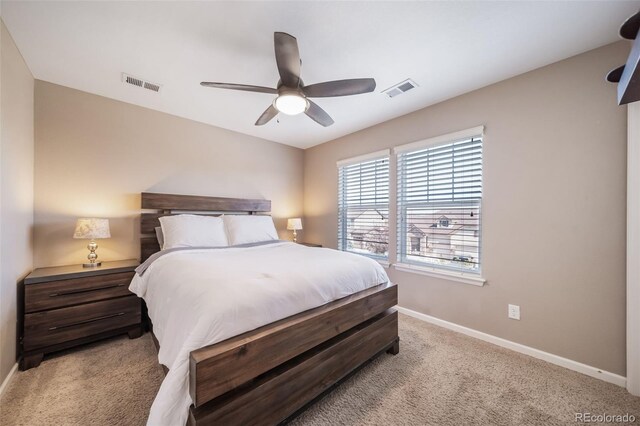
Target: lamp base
93	257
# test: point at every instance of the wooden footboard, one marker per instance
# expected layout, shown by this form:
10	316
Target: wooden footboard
219	368
277	394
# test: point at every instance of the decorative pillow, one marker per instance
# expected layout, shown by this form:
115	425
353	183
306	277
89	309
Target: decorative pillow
159	236
188	230
243	229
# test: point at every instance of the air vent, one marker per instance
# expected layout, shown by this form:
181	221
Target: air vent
400	88
152	86
135	81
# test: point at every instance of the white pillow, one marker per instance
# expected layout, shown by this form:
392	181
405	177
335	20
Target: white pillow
249	229
188	230
159	236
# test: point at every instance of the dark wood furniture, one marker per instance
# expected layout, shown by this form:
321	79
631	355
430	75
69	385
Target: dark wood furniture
309	244
266	375
70	305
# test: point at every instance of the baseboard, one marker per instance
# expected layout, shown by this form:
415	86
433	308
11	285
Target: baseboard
527	350
7	379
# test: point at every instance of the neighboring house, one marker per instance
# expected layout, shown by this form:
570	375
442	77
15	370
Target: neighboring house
443	235
368	231
433	235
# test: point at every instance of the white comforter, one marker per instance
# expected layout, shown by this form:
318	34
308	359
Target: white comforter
199	297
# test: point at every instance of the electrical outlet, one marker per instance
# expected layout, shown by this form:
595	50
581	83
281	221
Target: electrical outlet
514	312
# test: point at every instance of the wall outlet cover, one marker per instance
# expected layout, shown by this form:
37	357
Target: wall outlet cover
514	312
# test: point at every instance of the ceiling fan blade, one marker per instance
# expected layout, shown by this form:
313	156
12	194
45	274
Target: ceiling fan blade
267	115
287	59
318	115
243	87
615	75
353	86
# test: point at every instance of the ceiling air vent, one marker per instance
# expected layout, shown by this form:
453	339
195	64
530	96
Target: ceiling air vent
135	81
152	86
400	88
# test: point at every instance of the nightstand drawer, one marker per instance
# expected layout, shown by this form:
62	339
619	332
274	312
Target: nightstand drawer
57	294
65	324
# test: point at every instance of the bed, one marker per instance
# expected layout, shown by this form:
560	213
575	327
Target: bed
266	362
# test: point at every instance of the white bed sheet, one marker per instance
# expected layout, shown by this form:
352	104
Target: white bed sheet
199	297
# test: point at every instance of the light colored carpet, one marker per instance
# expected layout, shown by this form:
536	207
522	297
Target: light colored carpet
439	378
108	383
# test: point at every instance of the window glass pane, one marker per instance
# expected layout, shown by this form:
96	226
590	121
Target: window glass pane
363	208
452	233
439	203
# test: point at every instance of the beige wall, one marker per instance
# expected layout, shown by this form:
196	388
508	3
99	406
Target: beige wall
94	156
16	189
553	212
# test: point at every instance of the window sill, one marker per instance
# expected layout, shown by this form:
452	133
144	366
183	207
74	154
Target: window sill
438	273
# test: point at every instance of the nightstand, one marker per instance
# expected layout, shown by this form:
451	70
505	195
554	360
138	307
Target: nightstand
309	244
67	306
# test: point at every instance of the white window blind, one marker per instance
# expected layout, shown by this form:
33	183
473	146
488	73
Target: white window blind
439	201
363	206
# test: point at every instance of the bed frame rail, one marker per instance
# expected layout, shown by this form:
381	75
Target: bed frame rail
285	390
219	368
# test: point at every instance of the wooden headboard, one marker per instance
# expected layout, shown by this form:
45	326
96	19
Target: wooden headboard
170	204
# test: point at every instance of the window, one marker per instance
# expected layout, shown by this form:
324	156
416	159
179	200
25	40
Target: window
444	222
415	244
440	196
363	205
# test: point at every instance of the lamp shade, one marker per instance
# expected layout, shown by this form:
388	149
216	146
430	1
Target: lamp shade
294	224
92	228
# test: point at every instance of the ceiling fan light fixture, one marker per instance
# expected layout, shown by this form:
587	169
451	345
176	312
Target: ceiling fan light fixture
291	104
293	96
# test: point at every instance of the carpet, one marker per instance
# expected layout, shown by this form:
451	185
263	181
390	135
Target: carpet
439	378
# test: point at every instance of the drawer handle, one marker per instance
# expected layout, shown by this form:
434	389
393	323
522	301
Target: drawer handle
87	321
84	290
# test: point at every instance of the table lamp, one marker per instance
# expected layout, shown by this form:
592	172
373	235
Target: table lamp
92	229
294	224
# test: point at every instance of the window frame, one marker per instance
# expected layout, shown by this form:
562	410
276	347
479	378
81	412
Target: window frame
471	276
343	220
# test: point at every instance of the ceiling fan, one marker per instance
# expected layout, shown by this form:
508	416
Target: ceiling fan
293	95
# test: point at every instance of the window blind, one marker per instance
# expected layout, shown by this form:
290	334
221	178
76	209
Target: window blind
439	202
363	207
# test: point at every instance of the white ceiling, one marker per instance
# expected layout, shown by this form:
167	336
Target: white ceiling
448	48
